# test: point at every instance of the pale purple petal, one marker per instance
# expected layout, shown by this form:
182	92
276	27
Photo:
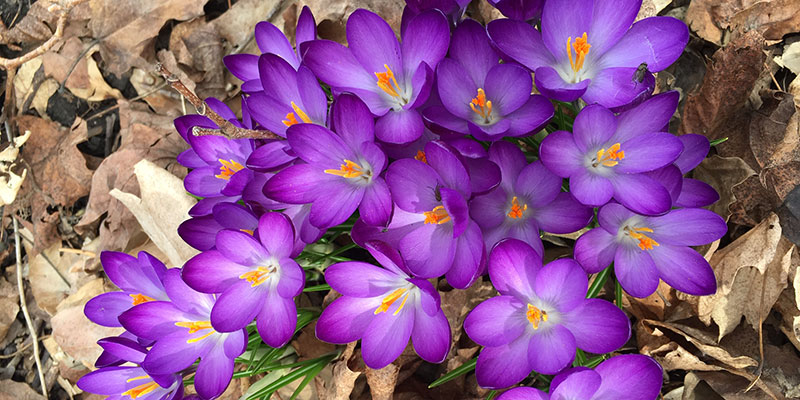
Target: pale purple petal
632	376
551	349
470	47
687	227
373	42
292	278
211	272
502	366
641	194
648	152
595	250
684	269
524	393
636	272
431	336
521	42
277	320
345	320
592	128
594	190
553	86
657	41
240	247
513	266
598	326
425	39
359	279
403	126
213	374
652	115
559	154
562	284
618	86
496	321
696	193
563	215
386	337
237	306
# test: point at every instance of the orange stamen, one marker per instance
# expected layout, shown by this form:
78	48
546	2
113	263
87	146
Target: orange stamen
481	106
347	170
421	156
256	277
581	47
390	299
141	389
645	243
195	327
437	216
516	210
535	316
291	119
248	231
388	83
609	157
140	298
228	168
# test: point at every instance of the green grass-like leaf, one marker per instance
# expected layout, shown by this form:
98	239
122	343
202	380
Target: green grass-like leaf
465	368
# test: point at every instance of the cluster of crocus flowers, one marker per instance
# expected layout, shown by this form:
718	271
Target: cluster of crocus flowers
423	150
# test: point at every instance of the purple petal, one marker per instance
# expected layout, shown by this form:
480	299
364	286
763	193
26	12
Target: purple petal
507	86
648	152
521	42
455	92
641	194
669	177
497	321
292	278
240	247
469	259
635	270
189	159
237	183
128	274
563	215
687	227
562	19
513	266
353	121
439	115
470	47
612	216
297	184
431	336
335	204
577	384
531	116
311	95
185	123
345	320
560	154
110	381
306	27
359	279
484	175
598	326
447	164
184	297
429	300
376	207
124	348
200	233
632	376
538	185
524	393
386	337
171	354
553	86
511	161
595	250
593	126
684	269
242	66
502	366
695	149
235	343
104	309
398	127
615	87
152	320
551	350
237	306
276	233
610	21
429	250
696	193
277	320
456	208
270	39
387	256
412	184
318	145
214	373
280	78
373	42
653	115
425	39
211	272
489	210
593	189
562	284
203	182
657	41
335	65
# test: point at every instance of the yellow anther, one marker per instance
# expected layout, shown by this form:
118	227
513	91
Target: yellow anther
390	299
257	276
610	157
645	242
195	327
481	106
516	210
140	298
421	156
141	389
535	316
388	83
581	48
228	168
291	119
437	216
347	170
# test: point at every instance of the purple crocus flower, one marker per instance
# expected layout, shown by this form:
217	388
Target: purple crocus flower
586	49
256	278
342	170
480	96
528	199
521	10
541	316
201	232
694	193
627	376
384	307
645	249
431	225
140	280
607	155
271	40
182	332
392	79
130	380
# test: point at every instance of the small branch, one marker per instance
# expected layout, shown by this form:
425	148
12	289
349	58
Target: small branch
226	129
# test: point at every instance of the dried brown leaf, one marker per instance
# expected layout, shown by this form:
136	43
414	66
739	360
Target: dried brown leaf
338	10
382	381
126	28
34	27
723	173
712	19
85	80
9	306
343	379
53	275
12	390
236	25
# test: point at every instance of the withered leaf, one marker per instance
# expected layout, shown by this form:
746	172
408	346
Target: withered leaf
772	18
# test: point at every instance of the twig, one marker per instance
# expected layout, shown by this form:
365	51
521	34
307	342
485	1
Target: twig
226	129
21	349
86	253
760	369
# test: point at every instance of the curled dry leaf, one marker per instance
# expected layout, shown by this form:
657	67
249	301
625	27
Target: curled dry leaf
711	19
723	173
339	10
382	381
34	27
237	24
163	205
9	306
53	275
341	384
85	80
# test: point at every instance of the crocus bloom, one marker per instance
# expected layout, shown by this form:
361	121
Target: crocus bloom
607	155
480	96
342	170
384	307
256	278
392	79
431	225
139	279
627	376
183	333
645	249
521	10
130	380
541	316
586	49
528	199
201	232
271	40
694	193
